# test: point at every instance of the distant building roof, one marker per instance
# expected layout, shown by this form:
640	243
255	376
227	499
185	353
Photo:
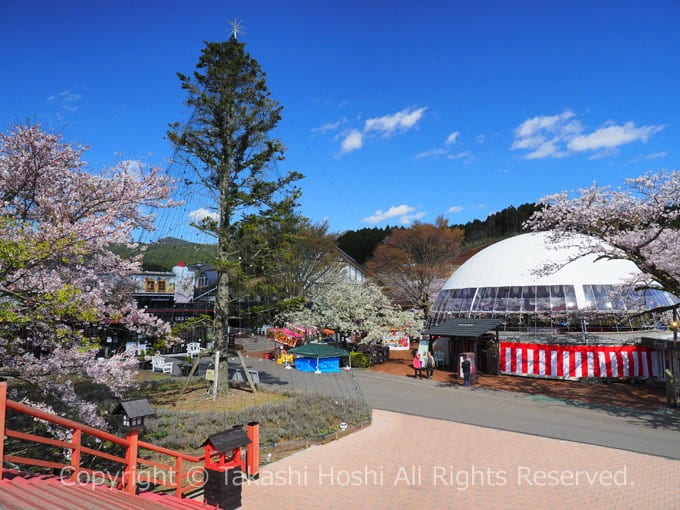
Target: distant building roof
469	328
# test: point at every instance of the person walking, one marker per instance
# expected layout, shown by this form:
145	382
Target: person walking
417	366
465	366
430	365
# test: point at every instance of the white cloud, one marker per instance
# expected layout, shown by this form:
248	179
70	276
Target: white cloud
199	215
405	214
612	136
432	153
353	141
466	156
558	136
656	155
330	126
455	209
384	126
400	121
66	100
548	149
604	153
451	139
480	138
537	124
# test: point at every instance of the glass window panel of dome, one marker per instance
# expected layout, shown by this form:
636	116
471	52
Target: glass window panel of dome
447	304
515	299
455	300
603	297
476	301
665	298
617	297
488	298
542	298
653	298
590	297
447	299
557	298
443	302
501	301
442	297
570	297
466	297
634	299
529	299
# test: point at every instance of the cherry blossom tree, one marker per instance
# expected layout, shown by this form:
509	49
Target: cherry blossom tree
639	221
58	277
352	307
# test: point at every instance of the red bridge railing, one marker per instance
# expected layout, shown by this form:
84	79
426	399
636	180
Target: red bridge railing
177	475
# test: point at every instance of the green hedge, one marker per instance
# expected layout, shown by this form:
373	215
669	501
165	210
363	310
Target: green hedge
360	359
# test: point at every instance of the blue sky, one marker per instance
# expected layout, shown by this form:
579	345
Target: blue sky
393	112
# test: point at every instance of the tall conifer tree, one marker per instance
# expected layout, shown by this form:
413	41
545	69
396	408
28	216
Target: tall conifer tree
228	144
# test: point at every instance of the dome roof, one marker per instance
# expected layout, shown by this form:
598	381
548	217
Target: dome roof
515	261
505	281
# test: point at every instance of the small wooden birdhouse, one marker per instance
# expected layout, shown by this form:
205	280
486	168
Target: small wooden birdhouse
134	412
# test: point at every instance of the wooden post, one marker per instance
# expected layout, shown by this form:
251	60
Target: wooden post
253	450
75	455
246	374
3	408
178	475
130	475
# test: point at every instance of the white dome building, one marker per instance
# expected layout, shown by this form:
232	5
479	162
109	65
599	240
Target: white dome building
503	281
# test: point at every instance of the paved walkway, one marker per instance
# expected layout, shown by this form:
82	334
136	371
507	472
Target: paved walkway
340	384
403	460
649	432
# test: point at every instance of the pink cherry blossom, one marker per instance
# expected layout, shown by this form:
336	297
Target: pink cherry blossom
639	221
59	280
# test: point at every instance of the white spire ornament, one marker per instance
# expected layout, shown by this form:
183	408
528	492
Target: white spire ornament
236	28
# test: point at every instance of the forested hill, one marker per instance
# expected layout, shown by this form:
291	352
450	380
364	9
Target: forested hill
359	244
166	253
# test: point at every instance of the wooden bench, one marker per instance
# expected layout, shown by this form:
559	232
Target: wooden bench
159	362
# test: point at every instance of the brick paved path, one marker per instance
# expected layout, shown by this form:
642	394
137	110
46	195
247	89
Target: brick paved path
403	460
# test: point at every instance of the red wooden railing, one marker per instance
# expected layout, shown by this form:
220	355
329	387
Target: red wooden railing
177	478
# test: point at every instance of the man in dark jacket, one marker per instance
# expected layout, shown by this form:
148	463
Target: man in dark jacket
465	366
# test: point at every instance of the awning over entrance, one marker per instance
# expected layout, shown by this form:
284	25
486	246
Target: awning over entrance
661	342
469	328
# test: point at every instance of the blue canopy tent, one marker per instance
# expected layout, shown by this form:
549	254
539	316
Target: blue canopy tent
318	358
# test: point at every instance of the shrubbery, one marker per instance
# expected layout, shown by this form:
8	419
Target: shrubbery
297	417
360	360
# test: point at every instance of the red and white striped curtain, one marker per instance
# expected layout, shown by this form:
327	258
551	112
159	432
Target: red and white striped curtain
574	361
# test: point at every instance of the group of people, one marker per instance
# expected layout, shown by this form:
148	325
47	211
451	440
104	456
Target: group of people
427	363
